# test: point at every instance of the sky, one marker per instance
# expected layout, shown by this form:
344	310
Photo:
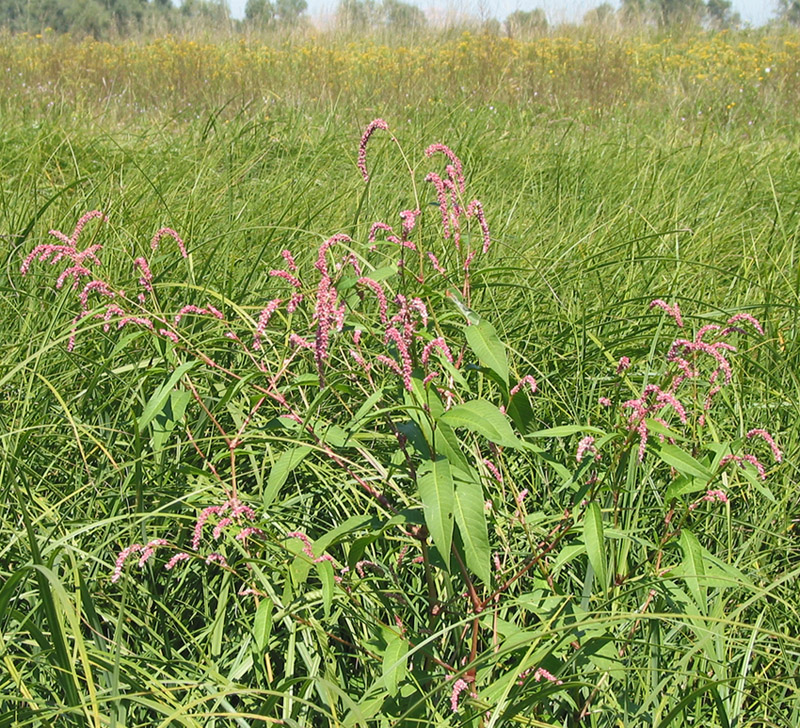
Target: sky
755	12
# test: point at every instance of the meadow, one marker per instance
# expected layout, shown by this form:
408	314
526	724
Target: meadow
531	461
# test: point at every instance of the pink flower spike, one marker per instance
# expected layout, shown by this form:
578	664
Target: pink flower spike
604	401
165	231
288	277
704	330
523	494
750	319
526	380
437	343
458	687
362	147
150	549
776	453
201	520
263	321
119	564
542	674
175	560
476	209
289	258
97	286
402	348
307	550
437	266
458	168
216	558
492	468
76	272
715	495
377	289
146	279
673	311
299	342
586	446
441	197
623	364
754	461
220	527
171	335
409	218
245	533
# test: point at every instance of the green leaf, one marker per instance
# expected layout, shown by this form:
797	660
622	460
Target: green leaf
485	419
159	398
684	463
262	624
484	341
595	544
325	573
395	663
287	462
471	520
566	431
438	499
694	567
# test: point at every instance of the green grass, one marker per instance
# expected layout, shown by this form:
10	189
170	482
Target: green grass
593	214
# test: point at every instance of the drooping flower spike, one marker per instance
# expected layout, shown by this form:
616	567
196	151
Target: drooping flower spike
362	147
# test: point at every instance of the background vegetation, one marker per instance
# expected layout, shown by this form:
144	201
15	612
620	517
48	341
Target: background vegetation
614	168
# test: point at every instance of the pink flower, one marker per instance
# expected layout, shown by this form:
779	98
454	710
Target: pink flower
288	277
119	564
458	687
263	321
623	364
492	468
76	272
476	209
441	196
673	311
436	264
150	549
377	289
97	286
172	336
392	334
604	401
362	147
182	556
749	319
409	218
437	343
165	231
526	380
289	258
457	168
146	280
586	445
776	453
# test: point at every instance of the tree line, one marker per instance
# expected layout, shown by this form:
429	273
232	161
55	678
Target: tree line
104	18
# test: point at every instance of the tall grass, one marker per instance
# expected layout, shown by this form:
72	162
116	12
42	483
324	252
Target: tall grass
626	174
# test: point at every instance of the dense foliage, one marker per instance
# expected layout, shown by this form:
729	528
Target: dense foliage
411	459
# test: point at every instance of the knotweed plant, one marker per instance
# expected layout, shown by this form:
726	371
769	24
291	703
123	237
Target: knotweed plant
490	569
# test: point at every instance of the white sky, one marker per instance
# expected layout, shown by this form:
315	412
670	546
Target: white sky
755	12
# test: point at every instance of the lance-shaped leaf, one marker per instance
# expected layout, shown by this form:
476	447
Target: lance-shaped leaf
438	500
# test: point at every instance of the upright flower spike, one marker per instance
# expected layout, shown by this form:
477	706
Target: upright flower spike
362	147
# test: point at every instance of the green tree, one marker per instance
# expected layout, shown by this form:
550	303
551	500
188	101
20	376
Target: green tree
522	22
259	12
601	15
789	11
721	16
400	15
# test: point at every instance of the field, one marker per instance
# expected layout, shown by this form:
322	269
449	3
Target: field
505	464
